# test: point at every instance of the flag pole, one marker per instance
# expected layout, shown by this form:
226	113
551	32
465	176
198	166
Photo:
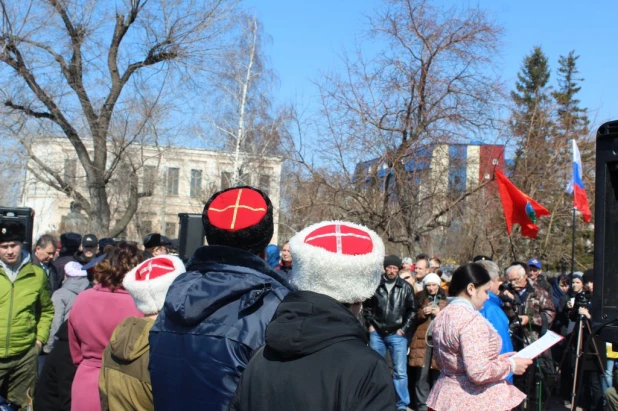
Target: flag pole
573	242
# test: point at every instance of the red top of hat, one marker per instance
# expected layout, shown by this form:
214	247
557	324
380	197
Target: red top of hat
153	268
341	239
237	209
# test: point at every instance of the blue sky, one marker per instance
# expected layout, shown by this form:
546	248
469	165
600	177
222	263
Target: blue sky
307	35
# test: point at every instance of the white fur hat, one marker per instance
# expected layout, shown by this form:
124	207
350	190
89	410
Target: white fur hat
149	281
431	278
339	259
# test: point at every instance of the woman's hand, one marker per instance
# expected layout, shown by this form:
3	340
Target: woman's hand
569	304
521	364
584	311
427	310
435	310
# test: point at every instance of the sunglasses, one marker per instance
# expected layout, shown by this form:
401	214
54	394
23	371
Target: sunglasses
406	278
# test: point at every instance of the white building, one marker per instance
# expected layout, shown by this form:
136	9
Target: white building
182	179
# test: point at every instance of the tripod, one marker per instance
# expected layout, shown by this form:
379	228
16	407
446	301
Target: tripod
534	377
581	321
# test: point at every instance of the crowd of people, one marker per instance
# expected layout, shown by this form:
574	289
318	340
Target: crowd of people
329	321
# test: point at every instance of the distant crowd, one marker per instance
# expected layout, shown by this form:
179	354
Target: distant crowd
99	324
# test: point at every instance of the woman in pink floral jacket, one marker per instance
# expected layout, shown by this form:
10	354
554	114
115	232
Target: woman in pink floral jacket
467	351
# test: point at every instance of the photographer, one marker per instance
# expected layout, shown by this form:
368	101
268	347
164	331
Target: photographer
531	312
591	392
528	307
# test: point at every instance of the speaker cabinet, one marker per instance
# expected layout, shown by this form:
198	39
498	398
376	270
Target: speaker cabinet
23	215
191	234
605	296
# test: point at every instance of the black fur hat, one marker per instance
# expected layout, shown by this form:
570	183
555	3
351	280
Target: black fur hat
12	231
239	217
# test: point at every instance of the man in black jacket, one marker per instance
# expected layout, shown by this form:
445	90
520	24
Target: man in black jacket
316	355
389	315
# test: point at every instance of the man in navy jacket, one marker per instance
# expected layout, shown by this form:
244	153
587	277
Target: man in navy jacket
215	314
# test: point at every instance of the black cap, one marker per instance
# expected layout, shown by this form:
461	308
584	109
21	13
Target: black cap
392	260
70	240
156	240
12	231
90	240
588	276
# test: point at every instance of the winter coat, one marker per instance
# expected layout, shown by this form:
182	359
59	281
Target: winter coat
124	383
418	343
492	311
216	315
287	269
472	376
26	310
538	306
63	300
389	312
95	314
316	358
53	391
54	281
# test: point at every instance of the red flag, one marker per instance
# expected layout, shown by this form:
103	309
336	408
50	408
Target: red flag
519	208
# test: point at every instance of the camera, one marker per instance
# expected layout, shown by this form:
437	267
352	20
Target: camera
581	300
506	286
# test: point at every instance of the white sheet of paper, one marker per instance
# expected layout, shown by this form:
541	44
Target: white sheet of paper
539	346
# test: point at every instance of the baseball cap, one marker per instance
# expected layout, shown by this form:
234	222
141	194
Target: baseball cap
535	262
90	240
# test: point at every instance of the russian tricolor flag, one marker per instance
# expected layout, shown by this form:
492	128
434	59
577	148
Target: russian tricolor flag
576	186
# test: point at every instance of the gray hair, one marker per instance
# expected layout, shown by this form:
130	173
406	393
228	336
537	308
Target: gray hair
521	270
491	267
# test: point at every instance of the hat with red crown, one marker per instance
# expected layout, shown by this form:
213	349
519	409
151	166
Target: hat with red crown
149	281
339	259
239	217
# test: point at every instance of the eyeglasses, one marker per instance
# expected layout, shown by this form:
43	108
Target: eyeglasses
515	280
535	269
406	278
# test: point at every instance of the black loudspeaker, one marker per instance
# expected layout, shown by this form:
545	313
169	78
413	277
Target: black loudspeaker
191	234
605	295
25	216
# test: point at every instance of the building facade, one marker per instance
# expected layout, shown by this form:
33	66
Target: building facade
180	179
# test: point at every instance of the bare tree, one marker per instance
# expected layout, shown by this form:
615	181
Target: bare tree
245	125
429	86
99	76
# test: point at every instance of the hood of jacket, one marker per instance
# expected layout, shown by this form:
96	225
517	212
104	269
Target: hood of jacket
307	322
75	284
130	339
217	275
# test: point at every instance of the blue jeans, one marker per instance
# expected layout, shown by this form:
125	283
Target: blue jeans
398	347
609	377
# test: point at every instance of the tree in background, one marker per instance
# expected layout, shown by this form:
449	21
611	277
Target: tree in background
101	77
428	85
246	126
543	122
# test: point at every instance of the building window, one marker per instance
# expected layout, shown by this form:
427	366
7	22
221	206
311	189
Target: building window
70	171
226	180
196	183
173	177
264	184
150	177
170	230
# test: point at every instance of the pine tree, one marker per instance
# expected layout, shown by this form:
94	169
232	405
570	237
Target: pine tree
572	119
531	122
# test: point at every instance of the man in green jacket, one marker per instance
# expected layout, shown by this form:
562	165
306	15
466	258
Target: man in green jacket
26	312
